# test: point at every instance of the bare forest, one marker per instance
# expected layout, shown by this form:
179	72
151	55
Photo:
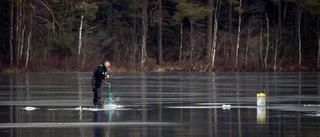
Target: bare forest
160	35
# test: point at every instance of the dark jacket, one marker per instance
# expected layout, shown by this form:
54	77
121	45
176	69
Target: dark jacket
101	72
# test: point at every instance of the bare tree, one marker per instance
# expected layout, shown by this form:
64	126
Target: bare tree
181	38
11	33
278	38
31	15
134	37
238	34
299	36
193	12
297	28
268	43
80	33
209	30
18	34
160	57
144	25
215	33
230	5
247	47
261	44
318	64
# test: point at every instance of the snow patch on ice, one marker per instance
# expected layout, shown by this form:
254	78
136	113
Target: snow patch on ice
29	108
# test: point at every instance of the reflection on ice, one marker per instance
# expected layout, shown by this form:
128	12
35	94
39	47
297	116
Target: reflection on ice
261	115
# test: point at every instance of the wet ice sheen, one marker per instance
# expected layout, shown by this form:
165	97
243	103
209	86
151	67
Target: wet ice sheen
86	124
161	104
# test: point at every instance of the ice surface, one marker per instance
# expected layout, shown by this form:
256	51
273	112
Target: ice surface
175	104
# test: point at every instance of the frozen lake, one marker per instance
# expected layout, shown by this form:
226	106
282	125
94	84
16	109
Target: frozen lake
161	104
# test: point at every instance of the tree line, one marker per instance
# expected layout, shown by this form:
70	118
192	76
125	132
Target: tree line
141	35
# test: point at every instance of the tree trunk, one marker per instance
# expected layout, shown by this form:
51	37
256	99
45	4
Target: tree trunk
209	30
80	37
230	28
230	17
318	51
181	37
134	39
238	36
267	46
11	33
160	58
285	10
30	34
278	39
28	49
144	34
22	41
318	34
17	36
215	32
296	30
191	41
299	39
261	45
275	54
248	42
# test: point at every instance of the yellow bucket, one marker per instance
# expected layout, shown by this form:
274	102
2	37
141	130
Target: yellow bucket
261	99
261	95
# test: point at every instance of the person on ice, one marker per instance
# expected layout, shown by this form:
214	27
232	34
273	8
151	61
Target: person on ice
101	73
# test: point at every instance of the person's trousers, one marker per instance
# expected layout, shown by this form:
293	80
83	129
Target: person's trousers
96	91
